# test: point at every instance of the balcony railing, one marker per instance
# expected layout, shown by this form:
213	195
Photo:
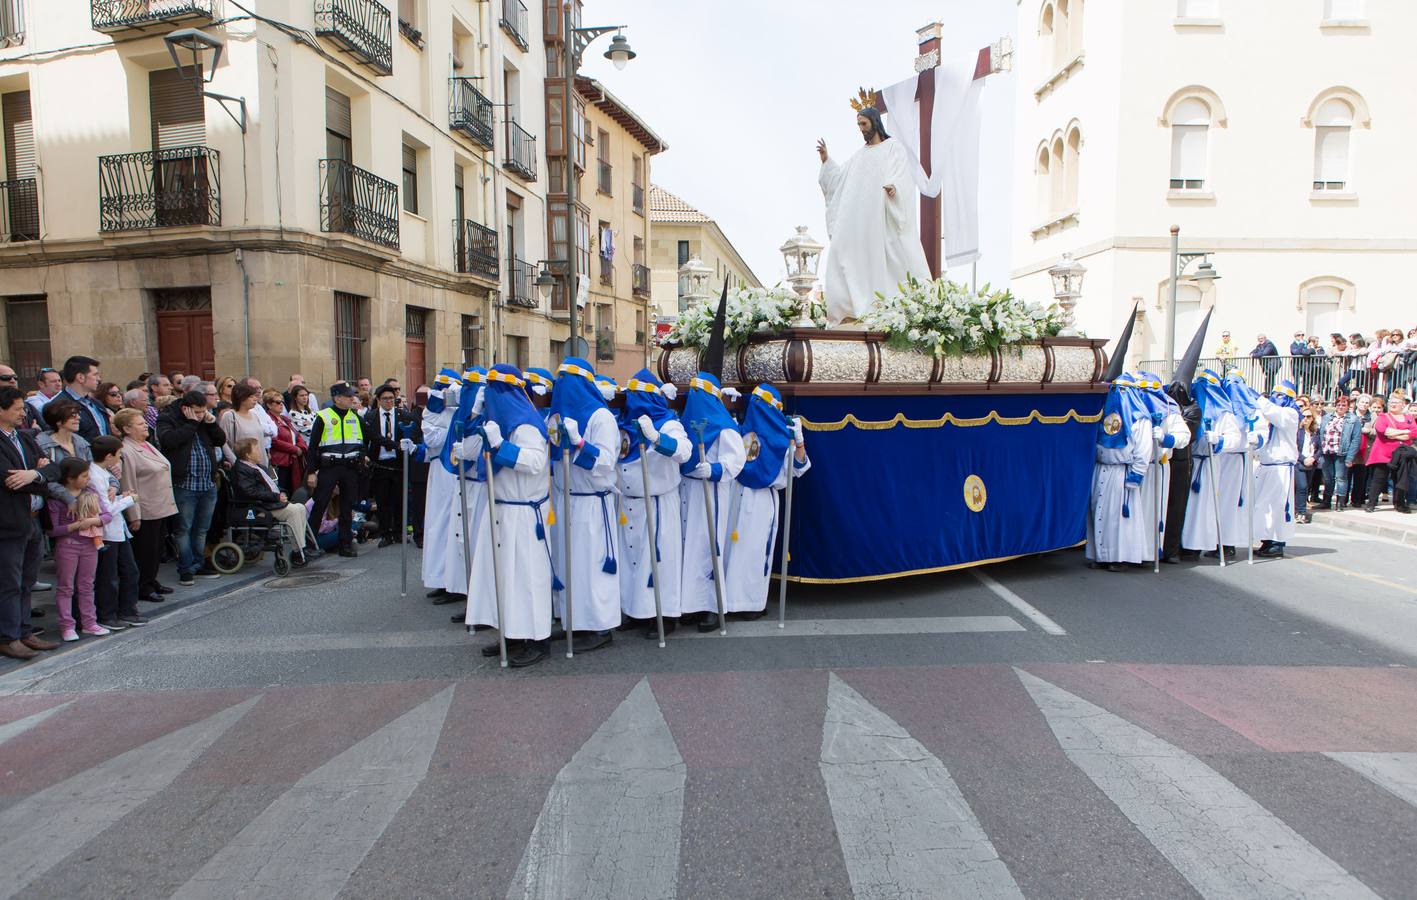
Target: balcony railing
170	188
125	15
361	28
470	112
353	201
639	280
603	182
1317	376
12	23
607	272
637	198
604	344
476	247
520	158
513	21
19	210
521	278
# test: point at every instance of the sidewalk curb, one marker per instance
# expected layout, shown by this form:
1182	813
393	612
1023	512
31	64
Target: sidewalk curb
1392	533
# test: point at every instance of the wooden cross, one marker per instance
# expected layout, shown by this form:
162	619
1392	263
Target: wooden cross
995	58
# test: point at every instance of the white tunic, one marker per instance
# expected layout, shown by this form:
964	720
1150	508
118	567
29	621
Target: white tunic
1157	484
455	566
636	594
874	239
696	589
593	521
438	502
748	566
521	556
1117	524
1274	477
1199	530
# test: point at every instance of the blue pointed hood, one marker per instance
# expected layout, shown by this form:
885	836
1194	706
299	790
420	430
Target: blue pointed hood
1244	401
1124	406
767	424
437	400
462	421
1209	394
575	396
1285	394
643	397
704	405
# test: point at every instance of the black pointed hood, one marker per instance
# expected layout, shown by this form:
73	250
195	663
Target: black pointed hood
1185	371
712	359
1119	356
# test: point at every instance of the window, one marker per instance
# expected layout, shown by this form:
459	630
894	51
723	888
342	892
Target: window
517	350
1344	10
607	252
12	23
410	179
27	323
1045	37
683	252
604	333
582	242
1043	173
351	336
1061	37
639	328
1070	168
1198	9
471	330
602	159
1057	188
338	126
1323	313
1333	129
1190	127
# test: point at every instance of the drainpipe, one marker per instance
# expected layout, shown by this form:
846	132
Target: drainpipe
245	308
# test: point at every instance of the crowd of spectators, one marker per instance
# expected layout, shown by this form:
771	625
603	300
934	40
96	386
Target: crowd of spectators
1327	366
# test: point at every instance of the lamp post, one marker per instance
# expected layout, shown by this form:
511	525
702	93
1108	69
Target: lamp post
194	43
620	54
1204	276
1067	290
697	274
802	253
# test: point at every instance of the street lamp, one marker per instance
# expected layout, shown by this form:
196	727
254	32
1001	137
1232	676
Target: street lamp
697	275
1204	276
802	253
577	40
194	44
1067	290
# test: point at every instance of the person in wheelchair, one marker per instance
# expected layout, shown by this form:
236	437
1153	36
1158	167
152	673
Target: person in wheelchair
253	486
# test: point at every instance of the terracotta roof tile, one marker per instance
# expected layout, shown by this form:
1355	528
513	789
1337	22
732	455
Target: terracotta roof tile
667	207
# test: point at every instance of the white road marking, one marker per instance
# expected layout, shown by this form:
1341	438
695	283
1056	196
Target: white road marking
610	825
1222	841
1018	603
11	730
38	832
1395	773
905	829
767	627
310	840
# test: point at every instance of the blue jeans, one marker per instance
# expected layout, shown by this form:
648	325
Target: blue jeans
194	517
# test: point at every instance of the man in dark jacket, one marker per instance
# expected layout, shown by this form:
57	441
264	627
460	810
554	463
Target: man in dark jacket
188	434
26	474
387	427
81	378
1268	356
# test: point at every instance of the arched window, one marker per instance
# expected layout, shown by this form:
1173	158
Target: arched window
1043	173
1070	167
1045	37
1075	29
1058	181
1333	132
1190	134
1061	29
1327	303
1198	9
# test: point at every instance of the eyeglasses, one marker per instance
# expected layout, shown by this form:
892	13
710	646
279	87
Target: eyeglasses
115	393
9	378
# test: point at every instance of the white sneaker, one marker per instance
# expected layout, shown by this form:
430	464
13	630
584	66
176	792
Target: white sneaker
70	635
97	631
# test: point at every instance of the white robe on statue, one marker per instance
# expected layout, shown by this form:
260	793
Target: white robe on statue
593	521
1157	484
748	567
521	556
636	594
1274	477
1199	530
1117	523
438	500
875	241
696	589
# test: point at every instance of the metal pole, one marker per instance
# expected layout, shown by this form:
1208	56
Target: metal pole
1171	308
1215	494
566	537
1160	484
568	120
466	531
652	530
1249	490
713	536
403	535
496	569
786	537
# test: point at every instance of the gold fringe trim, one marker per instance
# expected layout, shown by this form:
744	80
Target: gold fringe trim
797	579
993	417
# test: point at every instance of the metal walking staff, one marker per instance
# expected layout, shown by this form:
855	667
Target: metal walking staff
566	535
496	567
712	532
786	537
1249	499
1215	494
403	535
652	532
466	531
1160	483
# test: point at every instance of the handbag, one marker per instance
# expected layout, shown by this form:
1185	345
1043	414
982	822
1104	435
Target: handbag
1388	361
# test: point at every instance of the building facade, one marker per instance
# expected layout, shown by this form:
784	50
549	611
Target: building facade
368	198
682	233
1270	131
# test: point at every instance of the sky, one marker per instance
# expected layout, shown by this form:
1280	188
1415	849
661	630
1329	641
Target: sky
742	89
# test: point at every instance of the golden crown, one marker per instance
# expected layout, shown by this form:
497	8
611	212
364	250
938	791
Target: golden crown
863	99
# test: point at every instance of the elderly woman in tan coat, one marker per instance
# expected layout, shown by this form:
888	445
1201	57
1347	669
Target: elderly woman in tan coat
148	474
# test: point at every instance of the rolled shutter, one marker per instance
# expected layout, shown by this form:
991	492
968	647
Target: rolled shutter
19	135
176	105
337	115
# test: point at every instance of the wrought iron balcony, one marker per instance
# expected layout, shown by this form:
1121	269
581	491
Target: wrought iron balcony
604	344
360	203
521	278
470	112
513	21
19	210
520	156
639	280
637	198
12	23
475	246
361	28
110	16
171	188
603	181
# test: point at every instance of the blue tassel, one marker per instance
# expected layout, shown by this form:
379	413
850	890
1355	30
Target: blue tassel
651	581
556	584
1242	501
1126	513
1287	517
609	567
540	532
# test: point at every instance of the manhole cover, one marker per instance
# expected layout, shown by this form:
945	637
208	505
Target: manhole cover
303	580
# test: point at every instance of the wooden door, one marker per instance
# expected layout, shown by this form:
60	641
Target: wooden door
415	358
185	343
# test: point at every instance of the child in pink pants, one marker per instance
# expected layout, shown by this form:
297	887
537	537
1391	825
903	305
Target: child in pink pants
75	557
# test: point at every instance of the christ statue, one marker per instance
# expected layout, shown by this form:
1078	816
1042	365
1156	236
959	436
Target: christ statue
871	222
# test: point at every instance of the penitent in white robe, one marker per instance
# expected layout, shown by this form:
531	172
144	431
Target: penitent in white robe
1274	477
455	567
756	511
636	593
439	501
696	589
1157	485
594	526
875	241
1117	523
1199	530
521	554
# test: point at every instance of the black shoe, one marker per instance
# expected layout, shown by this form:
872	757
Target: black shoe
447	598
162	589
1171	560
186	580
208	571
348	552
629	624
750	616
529	654
1116	567
418	542
36	613
1211	554
458	618
1273	551
652	633
133	621
495	649
435	593
587	641
112	624
708	623
385	541
557	633
1190	554
153	598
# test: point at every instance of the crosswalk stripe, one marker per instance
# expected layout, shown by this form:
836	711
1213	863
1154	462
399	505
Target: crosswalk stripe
11	730
856	627
1222	841
1018	603
40	830
610	825
905	829
312	837
1395	773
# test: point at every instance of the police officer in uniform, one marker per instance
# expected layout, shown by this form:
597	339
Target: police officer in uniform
338	451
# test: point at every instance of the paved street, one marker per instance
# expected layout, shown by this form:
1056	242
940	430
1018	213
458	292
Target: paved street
1034	729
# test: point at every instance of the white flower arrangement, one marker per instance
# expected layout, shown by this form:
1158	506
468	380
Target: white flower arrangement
945	317
750	310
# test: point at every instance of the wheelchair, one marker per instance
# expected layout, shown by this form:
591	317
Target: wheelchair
252	531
